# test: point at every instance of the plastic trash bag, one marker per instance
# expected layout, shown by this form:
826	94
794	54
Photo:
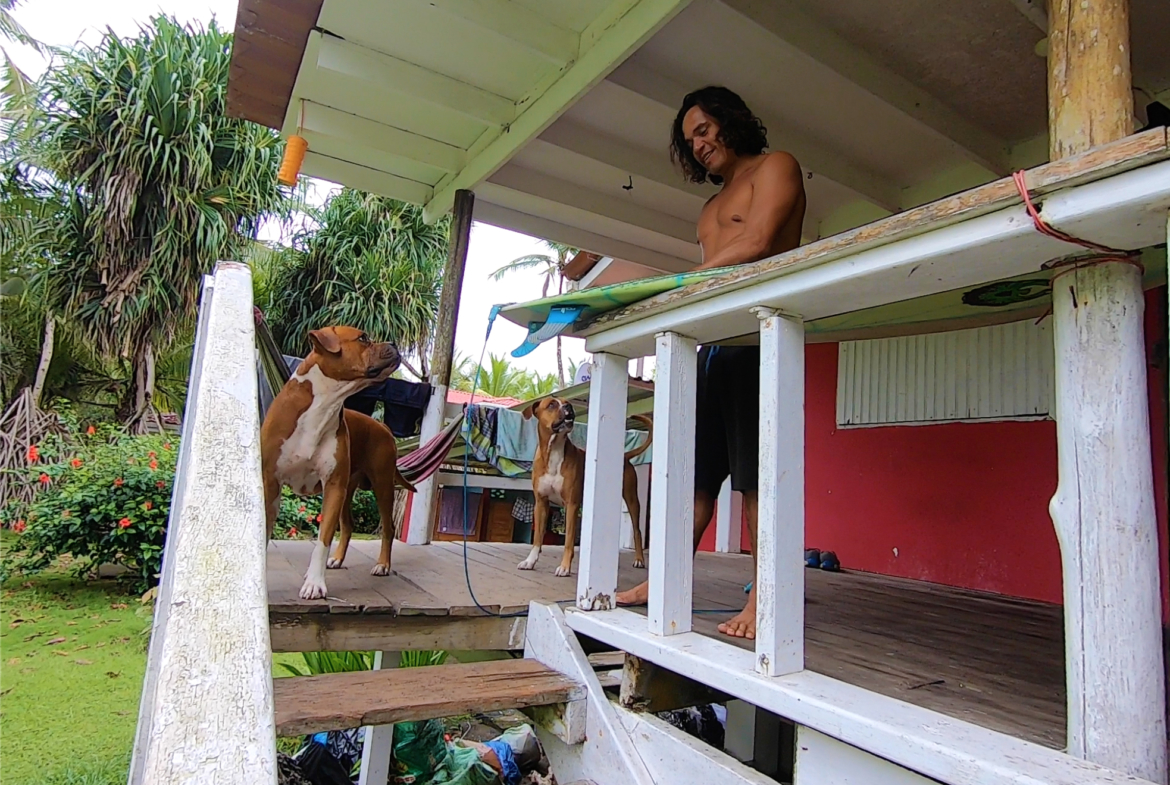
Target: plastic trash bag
422	756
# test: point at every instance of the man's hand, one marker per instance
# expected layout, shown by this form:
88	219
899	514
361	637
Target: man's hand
776	192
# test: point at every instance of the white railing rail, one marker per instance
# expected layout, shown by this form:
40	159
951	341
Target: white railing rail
1126	209
206	714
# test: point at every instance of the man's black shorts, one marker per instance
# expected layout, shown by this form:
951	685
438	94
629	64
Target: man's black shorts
727	418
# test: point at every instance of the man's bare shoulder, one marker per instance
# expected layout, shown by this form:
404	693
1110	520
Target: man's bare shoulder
779	165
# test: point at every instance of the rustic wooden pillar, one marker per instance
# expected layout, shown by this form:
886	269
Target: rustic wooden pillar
422	510
1104	504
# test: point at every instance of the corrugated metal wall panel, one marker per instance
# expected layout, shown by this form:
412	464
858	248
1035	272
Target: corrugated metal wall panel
988	373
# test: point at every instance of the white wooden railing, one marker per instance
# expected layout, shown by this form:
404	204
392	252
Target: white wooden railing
900	741
206	714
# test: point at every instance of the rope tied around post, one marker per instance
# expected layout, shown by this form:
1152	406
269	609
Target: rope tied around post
1098	253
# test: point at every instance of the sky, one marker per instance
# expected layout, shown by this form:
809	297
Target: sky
67	22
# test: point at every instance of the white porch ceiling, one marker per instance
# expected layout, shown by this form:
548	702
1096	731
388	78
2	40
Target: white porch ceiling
558	114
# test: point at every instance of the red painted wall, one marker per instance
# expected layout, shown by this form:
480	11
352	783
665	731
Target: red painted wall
959	504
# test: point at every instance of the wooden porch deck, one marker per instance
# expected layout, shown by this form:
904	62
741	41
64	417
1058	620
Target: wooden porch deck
994	661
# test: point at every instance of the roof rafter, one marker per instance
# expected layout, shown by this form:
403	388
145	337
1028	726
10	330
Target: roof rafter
390	73
625	34
788	23
516	23
489	212
351	128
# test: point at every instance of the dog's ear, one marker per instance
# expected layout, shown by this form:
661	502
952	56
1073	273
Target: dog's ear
325	341
530	409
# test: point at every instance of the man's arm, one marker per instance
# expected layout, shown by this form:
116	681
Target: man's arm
776	187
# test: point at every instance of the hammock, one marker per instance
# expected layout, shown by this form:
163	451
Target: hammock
275	373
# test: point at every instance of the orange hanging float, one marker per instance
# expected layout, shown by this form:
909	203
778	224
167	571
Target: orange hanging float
294	156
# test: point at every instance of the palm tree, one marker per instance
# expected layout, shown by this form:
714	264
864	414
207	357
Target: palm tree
371	263
160	183
552	267
15	87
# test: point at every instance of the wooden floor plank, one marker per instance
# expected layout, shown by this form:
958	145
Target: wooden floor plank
335	701
996	661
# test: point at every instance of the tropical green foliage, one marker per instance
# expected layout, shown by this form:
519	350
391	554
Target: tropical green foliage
371	263
156	185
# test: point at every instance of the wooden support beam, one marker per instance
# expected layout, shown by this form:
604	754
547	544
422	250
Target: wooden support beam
601	508
383	72
650	165
1104	503
422	509
521	220
354	129
672	488
608	235
624	36
457	248
375	181
780	536
1090	86
513	22
294	632
811	153
790	24
615	208
646	687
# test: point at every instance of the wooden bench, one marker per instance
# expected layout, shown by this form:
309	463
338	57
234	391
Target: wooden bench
334	701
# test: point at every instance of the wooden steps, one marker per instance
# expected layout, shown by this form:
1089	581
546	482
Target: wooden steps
310	704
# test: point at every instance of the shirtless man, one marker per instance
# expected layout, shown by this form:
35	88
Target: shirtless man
757	213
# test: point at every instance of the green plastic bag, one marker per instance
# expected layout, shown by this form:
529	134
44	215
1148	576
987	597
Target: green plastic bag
423	757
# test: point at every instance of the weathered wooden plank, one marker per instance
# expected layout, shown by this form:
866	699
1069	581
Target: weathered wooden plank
310	704
293	632
645	687
1130	153
206	707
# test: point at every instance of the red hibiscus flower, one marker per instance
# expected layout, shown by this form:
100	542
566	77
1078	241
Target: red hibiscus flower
33	453
125	523
18	527
292	532
45	479
75	463
118	483
147	505
90	431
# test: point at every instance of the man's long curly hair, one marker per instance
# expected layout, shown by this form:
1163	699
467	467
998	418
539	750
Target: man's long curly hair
739	129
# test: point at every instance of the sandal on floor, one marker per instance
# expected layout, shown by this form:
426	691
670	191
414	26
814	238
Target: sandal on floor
812	557
830	562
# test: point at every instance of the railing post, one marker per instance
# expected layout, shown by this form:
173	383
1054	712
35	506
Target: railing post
780	536
378	740
601	508
672	490
206	713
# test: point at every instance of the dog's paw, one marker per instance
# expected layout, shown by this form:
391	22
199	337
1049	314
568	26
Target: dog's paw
527	564
639	564
562	571
333	564
312	590
380	569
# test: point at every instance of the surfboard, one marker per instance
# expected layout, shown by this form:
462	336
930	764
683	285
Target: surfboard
1011	299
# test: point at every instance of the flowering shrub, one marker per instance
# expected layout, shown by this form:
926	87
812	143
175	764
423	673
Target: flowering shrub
107	502
299	515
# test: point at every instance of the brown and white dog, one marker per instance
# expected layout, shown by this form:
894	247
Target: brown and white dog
558	477
305	439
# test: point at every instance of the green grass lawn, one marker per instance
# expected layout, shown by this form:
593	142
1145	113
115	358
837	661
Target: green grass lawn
72	657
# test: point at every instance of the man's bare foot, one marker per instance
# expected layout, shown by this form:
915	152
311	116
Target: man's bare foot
639	595
744	624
